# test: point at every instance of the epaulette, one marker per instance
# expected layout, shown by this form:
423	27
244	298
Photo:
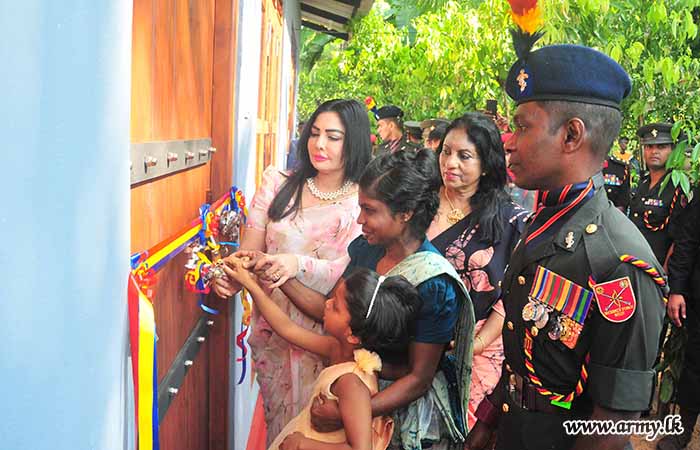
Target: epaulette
617	157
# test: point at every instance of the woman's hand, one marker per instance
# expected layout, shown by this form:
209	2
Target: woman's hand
276	269
292	442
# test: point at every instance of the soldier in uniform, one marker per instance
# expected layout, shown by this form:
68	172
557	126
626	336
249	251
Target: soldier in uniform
654	212
582	321
684	310
414	132
390	129
429	125
617	181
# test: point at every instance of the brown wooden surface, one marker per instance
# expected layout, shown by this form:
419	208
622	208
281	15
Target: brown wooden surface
220	339
172	88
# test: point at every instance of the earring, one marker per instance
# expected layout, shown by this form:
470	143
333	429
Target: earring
483	174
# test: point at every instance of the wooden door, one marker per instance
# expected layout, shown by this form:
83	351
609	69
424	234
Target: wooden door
183	66
270	85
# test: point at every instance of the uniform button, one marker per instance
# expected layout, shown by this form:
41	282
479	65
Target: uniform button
510	325
636	215
505	407
649	211
591	228
609	190
534	331
521	280
499	283
643	199
508	368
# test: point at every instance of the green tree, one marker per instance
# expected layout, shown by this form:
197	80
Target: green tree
439	58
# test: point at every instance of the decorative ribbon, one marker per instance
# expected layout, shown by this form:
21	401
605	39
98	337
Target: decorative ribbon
240	338
141	291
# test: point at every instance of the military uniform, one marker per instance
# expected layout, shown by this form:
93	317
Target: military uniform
617	181
653	212
395	114
582	323
684	279
656	213
396	145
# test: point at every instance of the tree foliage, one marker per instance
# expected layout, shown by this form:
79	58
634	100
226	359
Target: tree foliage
439	58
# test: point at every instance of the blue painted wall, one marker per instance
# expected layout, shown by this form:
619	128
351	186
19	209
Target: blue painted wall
64	221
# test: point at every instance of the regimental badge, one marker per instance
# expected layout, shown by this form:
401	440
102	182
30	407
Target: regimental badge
615	299
569	240
654	132
522	80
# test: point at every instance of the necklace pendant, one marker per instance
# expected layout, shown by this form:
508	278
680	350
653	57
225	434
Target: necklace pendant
455	216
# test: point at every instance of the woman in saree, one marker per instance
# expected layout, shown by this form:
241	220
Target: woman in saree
309	213
398	199
476	228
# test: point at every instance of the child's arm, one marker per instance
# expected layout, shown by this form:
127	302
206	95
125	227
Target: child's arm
278	320
356	413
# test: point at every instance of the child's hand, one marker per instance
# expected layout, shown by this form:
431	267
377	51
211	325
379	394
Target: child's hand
292	441
235	270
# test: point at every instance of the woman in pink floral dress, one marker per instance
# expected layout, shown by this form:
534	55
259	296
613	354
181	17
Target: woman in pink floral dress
476	229
303	220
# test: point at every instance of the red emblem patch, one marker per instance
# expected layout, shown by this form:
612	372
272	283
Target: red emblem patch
615	299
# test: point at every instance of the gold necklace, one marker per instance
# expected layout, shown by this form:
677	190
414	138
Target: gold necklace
456	214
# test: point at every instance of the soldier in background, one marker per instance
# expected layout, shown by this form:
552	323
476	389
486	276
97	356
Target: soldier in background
390	129
655	213
414	132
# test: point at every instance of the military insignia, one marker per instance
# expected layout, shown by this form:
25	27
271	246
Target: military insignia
570	331
654	132
569	240
612	179
522	80
615	299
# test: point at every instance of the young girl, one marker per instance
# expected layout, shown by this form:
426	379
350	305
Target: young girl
368	313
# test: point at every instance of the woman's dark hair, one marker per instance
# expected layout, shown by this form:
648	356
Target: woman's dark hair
390	325
406	181
357	152
491	194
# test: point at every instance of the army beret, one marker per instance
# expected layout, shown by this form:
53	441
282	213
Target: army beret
388	111
655	133
567	72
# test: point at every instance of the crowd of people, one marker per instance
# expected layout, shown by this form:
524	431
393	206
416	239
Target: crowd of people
403	299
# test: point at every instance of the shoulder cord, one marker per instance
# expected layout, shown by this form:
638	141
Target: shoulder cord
665	222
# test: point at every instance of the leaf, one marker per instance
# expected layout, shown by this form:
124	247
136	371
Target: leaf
696	153
664	182
676	130
685	184
666	389
675	177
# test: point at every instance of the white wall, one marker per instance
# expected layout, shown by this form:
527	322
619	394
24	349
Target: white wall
242	397
64	219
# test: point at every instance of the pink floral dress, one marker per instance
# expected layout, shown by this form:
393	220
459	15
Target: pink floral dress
319	236
480	265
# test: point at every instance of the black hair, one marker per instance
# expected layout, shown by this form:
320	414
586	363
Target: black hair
491	194
415	133
357	152
602	122
406	181
438	132
390	325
